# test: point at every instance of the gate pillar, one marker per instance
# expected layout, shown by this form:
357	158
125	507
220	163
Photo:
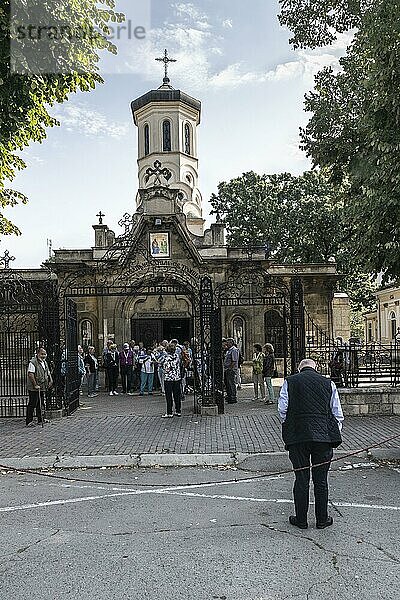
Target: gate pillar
210	341
297	323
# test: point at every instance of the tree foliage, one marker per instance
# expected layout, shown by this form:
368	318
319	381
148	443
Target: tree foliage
300	217
303	219
25	98
354	130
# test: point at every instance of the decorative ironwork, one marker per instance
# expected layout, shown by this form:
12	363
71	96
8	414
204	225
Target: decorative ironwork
6	259
217	372
126	222
206	350
100	215
28	319
276	332
157	172
255	287
297	323
72	379
166	60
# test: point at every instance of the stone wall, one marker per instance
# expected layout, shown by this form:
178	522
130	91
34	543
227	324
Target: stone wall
370	401
341	316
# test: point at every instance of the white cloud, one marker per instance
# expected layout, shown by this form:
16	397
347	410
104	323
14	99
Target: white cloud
343	40
189	12
194	42
306	66
78	117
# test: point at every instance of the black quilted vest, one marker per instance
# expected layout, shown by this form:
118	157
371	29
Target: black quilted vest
309	417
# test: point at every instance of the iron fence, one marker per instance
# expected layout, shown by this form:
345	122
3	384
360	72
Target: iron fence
355	365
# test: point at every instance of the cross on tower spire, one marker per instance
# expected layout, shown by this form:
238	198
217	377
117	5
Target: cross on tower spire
166	60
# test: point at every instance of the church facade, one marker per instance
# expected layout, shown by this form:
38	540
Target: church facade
168	276
144	285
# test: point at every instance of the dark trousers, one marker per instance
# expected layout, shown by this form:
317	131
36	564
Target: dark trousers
173	391
36	398
126	378
112	378
230	384
136	379
300	455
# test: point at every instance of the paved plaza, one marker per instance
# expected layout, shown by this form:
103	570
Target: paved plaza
129	425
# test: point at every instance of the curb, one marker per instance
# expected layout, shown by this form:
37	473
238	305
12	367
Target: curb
240	460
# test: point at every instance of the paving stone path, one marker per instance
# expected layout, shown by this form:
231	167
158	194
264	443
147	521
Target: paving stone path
132	425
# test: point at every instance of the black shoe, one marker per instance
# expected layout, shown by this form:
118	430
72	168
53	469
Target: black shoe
293	521
327	523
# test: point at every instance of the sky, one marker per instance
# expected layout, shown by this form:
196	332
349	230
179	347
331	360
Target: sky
232	55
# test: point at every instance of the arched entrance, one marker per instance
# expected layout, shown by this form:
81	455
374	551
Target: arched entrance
162	315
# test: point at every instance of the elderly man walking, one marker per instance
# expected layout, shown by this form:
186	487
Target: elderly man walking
311	415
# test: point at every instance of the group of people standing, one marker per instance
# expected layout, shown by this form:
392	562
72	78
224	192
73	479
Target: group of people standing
140	369
263	370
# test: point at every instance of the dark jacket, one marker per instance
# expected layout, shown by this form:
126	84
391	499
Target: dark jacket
90	363
309	416
112	362
269	365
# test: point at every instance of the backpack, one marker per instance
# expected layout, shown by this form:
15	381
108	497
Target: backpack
258	363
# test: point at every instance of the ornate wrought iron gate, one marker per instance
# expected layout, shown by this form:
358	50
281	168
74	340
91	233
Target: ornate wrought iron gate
70	357
28	318
297	323
211	375
248	288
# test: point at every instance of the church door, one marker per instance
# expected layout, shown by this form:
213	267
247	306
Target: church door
148	331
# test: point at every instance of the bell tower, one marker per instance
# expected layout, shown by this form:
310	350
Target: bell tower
167	121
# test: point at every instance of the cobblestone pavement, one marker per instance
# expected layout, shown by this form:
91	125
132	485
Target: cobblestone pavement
132	425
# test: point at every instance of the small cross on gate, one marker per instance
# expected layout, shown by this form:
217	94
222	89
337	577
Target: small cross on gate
126	222
100	215
6	259
166	60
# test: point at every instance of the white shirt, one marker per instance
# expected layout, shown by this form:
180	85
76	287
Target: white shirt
335	405
148	363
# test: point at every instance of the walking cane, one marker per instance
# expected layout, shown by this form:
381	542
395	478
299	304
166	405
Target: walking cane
42	406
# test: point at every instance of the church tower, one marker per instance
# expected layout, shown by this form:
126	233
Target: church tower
167	121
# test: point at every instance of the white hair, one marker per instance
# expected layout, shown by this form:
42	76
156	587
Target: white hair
307	362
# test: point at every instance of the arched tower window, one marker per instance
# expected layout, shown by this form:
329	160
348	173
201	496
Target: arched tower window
238	333
188	138
393	324
146	140
275	332
166	127
86	333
